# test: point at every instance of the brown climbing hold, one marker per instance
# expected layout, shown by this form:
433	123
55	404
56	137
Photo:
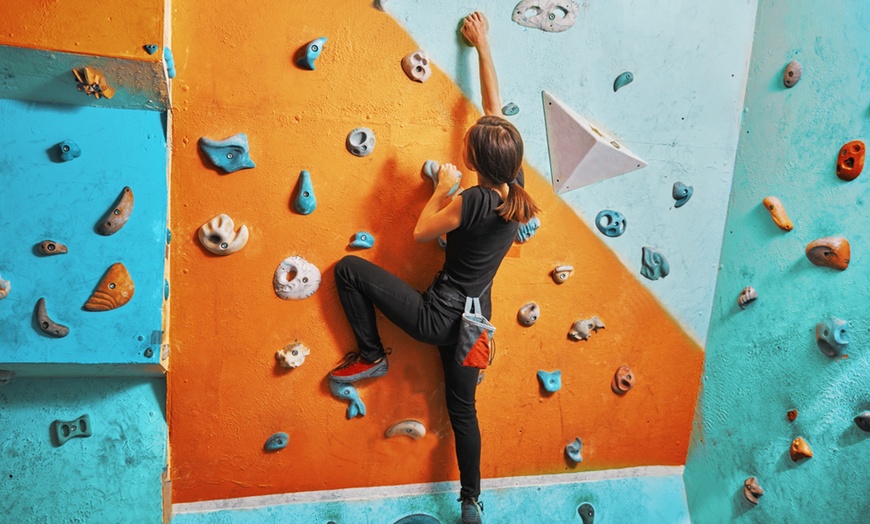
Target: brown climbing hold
751	490
46	324
623	380
115	290
833	252
791	415
118	214
777	212
50	247
92	82
850	163
800	449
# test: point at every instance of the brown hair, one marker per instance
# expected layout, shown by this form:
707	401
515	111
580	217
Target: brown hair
495	151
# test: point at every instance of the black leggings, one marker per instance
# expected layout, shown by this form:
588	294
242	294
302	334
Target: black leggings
432	318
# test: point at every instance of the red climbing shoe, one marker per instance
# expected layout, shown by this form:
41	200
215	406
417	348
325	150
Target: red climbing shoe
354	368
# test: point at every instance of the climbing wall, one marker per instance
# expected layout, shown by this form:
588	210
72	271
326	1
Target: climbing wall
767	381
224	372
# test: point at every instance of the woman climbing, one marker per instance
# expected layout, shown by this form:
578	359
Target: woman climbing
481	224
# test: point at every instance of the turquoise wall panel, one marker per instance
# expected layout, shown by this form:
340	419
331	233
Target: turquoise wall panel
764	361
112	476
63	201
680	114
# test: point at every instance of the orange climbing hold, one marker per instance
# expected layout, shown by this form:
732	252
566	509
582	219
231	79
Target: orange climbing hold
800	449
115	290
850	163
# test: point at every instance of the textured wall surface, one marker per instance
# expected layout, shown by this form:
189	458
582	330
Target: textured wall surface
680	115
63	201
112	476
235	74
763	361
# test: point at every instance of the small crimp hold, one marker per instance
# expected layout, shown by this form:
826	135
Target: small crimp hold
561	273
751	490
583	328
611	223
277	441
747	296
792	75
362	240
572	450
230	154
510	109
622	80
78	428
68	150
527	231
410	428
150	48
551	381
50	247
92	82
799	449
777	213
791	415
309	53
305	202
832	252
528	314
46	324
681	193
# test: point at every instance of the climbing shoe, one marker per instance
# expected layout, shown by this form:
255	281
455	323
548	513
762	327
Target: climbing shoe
471	511
354	368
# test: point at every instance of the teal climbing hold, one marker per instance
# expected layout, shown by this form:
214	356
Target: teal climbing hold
622	80
587	513
305	203
363	240
169	61
418	518
276	441
510	109
165	289
572	450
528	230
68	150
310	52
550	380
344	391
681	193
655	265
430	171
78	428
150	48
832	336
230	154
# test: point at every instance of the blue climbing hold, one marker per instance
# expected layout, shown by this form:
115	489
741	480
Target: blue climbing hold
510	109
355	407
832	336
165	289
310	53
622	80
655	265
230	154
63	431
363	240
611	223
681	193
305	203
528	230
277	441
151	48
169	61
550	381
573	450
430	171
442	242
68	150
418	518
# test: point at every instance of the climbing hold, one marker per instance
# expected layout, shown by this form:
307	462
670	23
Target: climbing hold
550	380
751	490
747	296
561	273
362	240
573	450
610	223
442	242
528	230
623	380
68	150
92	82
361	141
791	415
293	355
379	5
863	421
230	154
169	62
655	265
416	66
50	247
832	337
792	74
46	324
6	376
296	278
850	163
430	170
777	212
833	252
308	54
552	16
150	48
63	431
345	391
165	289
219	236
417	518
510	109
5	287
411	428
622	80
305	202
587	513
528	314
681	193
113	291
276	441
118	214
800	449
582	329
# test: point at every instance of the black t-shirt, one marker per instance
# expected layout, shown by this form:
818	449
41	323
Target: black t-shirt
476	248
